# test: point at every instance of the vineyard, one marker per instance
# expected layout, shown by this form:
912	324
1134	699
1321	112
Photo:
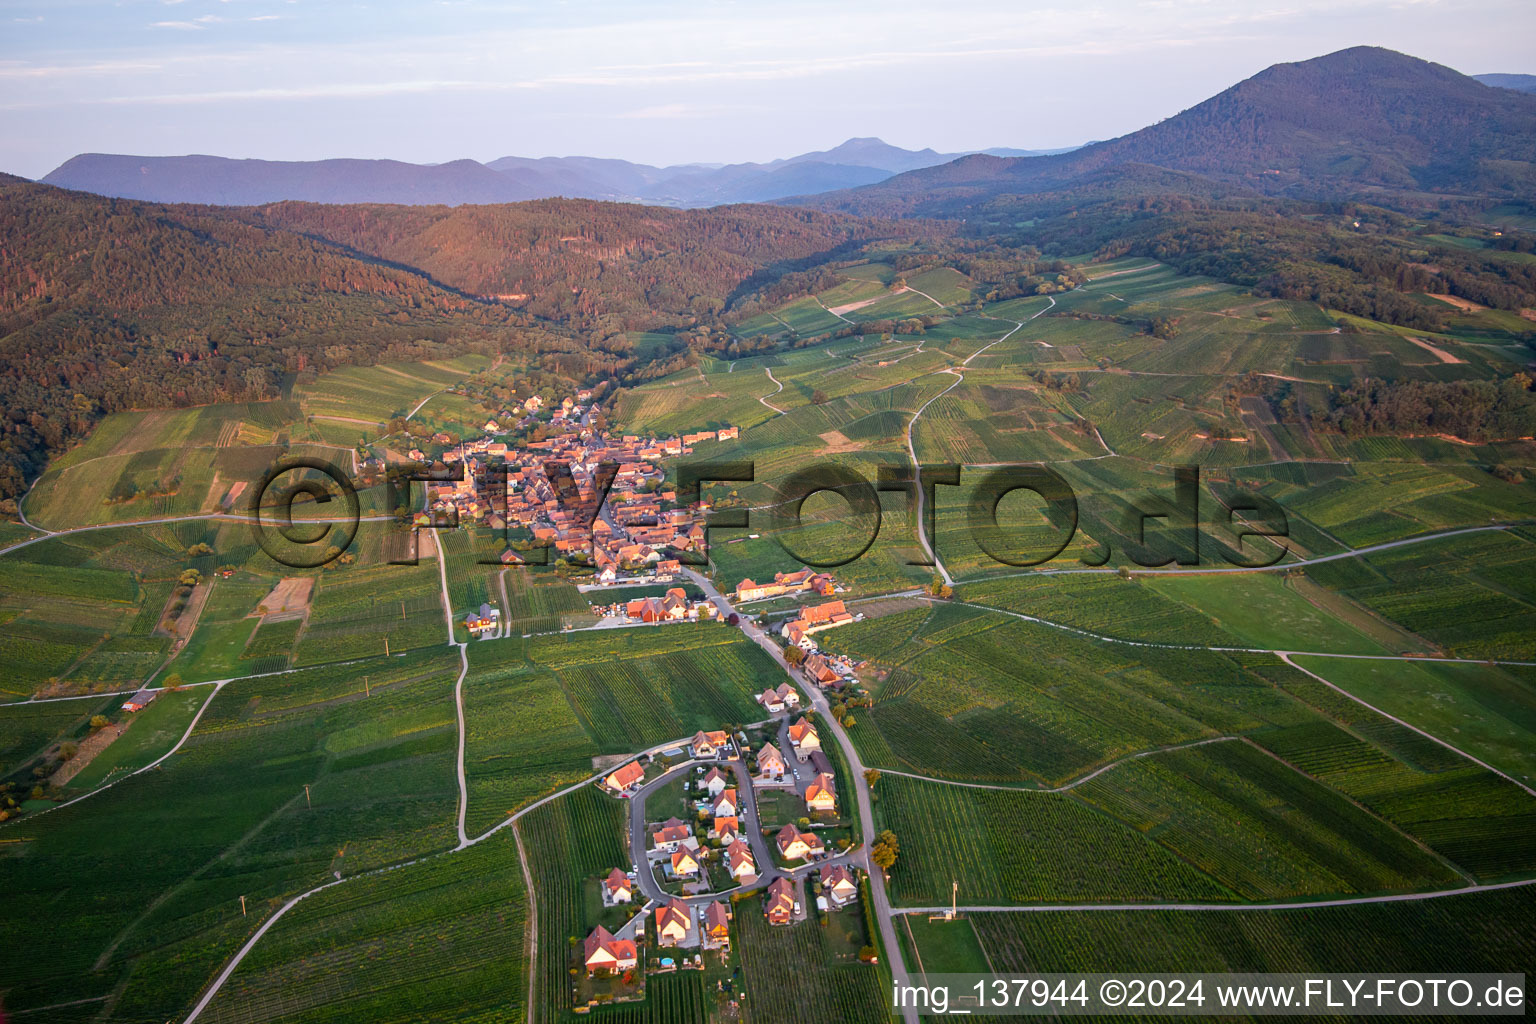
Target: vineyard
1478	821
441	939
522	737
1477	932
1262	829
1470	595
786	976
1006	847
567	841
991	698
632	688
357	608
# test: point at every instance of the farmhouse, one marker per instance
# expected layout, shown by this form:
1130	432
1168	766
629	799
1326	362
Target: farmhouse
141	700
819	671
617	888
838	884
672	922
483	621
625	779
779	904
603	952
814	619
819	795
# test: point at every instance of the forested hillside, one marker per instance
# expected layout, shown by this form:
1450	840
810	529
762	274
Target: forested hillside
612	266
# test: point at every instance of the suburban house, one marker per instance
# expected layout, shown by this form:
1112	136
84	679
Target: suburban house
672	834
672	922
626	778
717	917
838	885
796	845
724	805
141	700
617	888
779	904
716	782
803	736
770	763
683	864
726	829
709	744
771	701
819	794
789	695
603	952
738	857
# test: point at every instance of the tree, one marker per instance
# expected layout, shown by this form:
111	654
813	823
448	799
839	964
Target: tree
819	397
172	681
871	776
794	655
99	721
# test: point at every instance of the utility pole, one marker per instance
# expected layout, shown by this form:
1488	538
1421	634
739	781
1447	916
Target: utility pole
954	898
386	647
366	691
306	797
242	906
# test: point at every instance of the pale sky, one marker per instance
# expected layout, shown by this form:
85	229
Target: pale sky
662	82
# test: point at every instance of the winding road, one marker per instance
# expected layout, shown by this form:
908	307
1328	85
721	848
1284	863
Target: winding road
917	469
764	399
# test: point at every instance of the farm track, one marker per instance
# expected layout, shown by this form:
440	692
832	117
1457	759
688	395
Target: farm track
764	399
229	516
1285	656
1070	908
917	470
1065	786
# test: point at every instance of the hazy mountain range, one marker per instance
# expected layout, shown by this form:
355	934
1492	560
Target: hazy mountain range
226	182
1519	83
1364	123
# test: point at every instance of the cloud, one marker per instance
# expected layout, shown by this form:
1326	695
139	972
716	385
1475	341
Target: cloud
183	25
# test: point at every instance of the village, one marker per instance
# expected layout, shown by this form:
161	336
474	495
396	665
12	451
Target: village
503	485
749	821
